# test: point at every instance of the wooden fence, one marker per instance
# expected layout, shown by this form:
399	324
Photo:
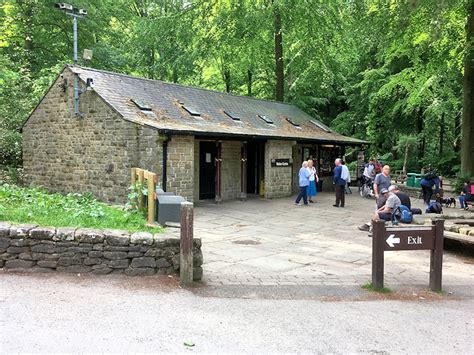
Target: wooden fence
148	179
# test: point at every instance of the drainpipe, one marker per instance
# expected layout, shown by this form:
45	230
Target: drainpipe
165	162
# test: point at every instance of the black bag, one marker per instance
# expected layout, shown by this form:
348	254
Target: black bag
416	211
434	207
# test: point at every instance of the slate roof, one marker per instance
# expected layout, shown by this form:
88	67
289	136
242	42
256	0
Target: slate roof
166	101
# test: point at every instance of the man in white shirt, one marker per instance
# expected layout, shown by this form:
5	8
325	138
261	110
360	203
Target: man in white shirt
345	175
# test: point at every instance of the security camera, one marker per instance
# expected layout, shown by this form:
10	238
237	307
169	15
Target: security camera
82	12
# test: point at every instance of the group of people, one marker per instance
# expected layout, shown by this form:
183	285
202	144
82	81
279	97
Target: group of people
388	197
308	177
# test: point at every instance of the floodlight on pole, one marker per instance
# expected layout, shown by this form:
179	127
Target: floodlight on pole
75	13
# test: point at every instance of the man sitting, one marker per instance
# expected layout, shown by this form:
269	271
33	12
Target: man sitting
391	203
385	212
466	195
404	198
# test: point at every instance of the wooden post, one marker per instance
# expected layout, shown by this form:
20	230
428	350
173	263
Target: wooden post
436	258
140	195
151	196
186	244
218	197
243	171
378	238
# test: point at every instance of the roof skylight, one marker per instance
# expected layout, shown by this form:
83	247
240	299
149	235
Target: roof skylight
142	105
266	119
321	125
191	110
233	115
293	122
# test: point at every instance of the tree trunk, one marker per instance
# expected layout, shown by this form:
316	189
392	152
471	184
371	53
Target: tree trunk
441	136
406	157
467	143
279	88
249	82
227	80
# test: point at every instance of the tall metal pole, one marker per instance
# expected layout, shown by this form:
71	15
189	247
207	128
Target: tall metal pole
75	40
76	79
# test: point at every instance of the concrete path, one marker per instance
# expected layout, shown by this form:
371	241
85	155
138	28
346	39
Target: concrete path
105	314
272	242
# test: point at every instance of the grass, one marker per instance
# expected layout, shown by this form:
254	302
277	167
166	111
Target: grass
35	205
370	287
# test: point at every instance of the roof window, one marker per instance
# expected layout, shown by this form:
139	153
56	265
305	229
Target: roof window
266	119
191	111
320	125
142	105
233	115
293	122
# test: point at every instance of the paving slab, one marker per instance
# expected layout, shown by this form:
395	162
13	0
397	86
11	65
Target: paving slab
272	242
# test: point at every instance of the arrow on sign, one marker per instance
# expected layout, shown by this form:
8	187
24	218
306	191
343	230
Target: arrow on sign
391	240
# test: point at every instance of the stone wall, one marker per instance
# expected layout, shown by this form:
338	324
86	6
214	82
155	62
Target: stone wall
64	153
180	166
278	180
27	247
231	169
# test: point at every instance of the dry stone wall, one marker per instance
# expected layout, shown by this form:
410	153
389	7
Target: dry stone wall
27	247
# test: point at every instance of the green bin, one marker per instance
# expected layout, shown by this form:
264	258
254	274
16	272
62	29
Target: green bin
411	179
417	182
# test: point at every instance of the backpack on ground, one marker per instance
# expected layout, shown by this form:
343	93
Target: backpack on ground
416	211
434	207
402	214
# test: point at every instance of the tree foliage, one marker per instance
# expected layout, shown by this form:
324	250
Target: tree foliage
390	72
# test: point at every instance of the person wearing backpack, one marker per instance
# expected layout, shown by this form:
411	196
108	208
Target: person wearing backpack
429	181
386	211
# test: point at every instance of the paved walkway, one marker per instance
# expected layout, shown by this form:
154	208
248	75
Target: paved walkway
272	242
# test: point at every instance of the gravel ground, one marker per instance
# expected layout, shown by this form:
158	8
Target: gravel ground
68	313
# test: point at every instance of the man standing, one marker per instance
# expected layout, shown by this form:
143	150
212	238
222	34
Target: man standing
369	170
339	184
382	181
345	173
303	176
427	183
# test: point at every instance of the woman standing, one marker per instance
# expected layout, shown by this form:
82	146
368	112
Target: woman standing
311	189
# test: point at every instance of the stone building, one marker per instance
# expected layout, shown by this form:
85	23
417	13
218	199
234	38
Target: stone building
202	144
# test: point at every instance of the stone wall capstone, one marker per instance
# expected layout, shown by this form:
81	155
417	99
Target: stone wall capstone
27	247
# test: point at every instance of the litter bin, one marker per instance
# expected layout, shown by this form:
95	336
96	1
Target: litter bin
417	182
169	208
411	179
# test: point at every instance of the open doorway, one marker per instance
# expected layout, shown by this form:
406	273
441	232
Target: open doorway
255	166
207	170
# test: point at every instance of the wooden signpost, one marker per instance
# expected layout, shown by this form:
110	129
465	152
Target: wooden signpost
408	238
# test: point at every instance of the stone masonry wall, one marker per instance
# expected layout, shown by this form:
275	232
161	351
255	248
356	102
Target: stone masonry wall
231	169
26	247
64	153
180	166
278	180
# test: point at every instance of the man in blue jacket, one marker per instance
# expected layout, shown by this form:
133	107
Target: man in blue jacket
339	184
429	181
303	177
